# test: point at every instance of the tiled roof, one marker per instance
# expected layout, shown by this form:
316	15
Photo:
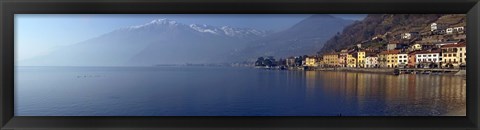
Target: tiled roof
455	45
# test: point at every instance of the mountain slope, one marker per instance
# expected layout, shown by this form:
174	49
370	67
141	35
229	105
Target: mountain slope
394	24
306	37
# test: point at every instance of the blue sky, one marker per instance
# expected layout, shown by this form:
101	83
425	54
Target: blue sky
38	34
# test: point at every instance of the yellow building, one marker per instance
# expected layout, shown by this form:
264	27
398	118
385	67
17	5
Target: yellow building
311	61
454	55
382	59
361	59
415	47
342	58
331	60
392	58
351	60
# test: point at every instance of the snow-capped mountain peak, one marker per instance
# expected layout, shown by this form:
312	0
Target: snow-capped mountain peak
226	31
205	28
162	21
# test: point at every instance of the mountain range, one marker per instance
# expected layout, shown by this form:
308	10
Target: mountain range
165	41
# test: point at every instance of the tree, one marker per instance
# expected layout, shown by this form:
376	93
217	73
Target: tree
260	61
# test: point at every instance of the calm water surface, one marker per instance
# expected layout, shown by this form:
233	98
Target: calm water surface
230	91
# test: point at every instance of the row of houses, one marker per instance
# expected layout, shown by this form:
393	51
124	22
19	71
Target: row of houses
451	55
440	47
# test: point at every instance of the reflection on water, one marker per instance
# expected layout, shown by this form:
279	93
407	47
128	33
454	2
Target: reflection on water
407	94
230	91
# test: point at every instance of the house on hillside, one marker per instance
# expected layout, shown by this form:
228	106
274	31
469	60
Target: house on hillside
415	47
459	30
440	44
410	35
392	46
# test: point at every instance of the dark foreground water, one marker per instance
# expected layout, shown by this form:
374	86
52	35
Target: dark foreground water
230	91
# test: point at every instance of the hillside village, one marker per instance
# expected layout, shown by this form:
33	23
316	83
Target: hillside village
435	46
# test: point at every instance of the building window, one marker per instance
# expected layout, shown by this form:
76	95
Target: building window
429	55
444	55
460	54
454	55
461	60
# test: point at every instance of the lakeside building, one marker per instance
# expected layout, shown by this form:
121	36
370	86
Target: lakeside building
351	59
454	55
382	59
428	58
361	59
331	60
342	58
392	58
311	61
402	60
412	59
290	61
371	61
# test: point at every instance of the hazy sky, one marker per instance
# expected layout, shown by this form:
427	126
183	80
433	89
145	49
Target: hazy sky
38	34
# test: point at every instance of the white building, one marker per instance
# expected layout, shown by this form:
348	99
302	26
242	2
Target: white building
371	62
359	45
406	35
433	27
449	31
402	60
428	58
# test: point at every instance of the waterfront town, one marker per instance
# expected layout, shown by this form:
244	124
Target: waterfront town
439	47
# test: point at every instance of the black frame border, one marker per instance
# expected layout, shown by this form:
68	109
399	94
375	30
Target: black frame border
10	7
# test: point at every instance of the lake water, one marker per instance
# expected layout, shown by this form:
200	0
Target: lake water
231	91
